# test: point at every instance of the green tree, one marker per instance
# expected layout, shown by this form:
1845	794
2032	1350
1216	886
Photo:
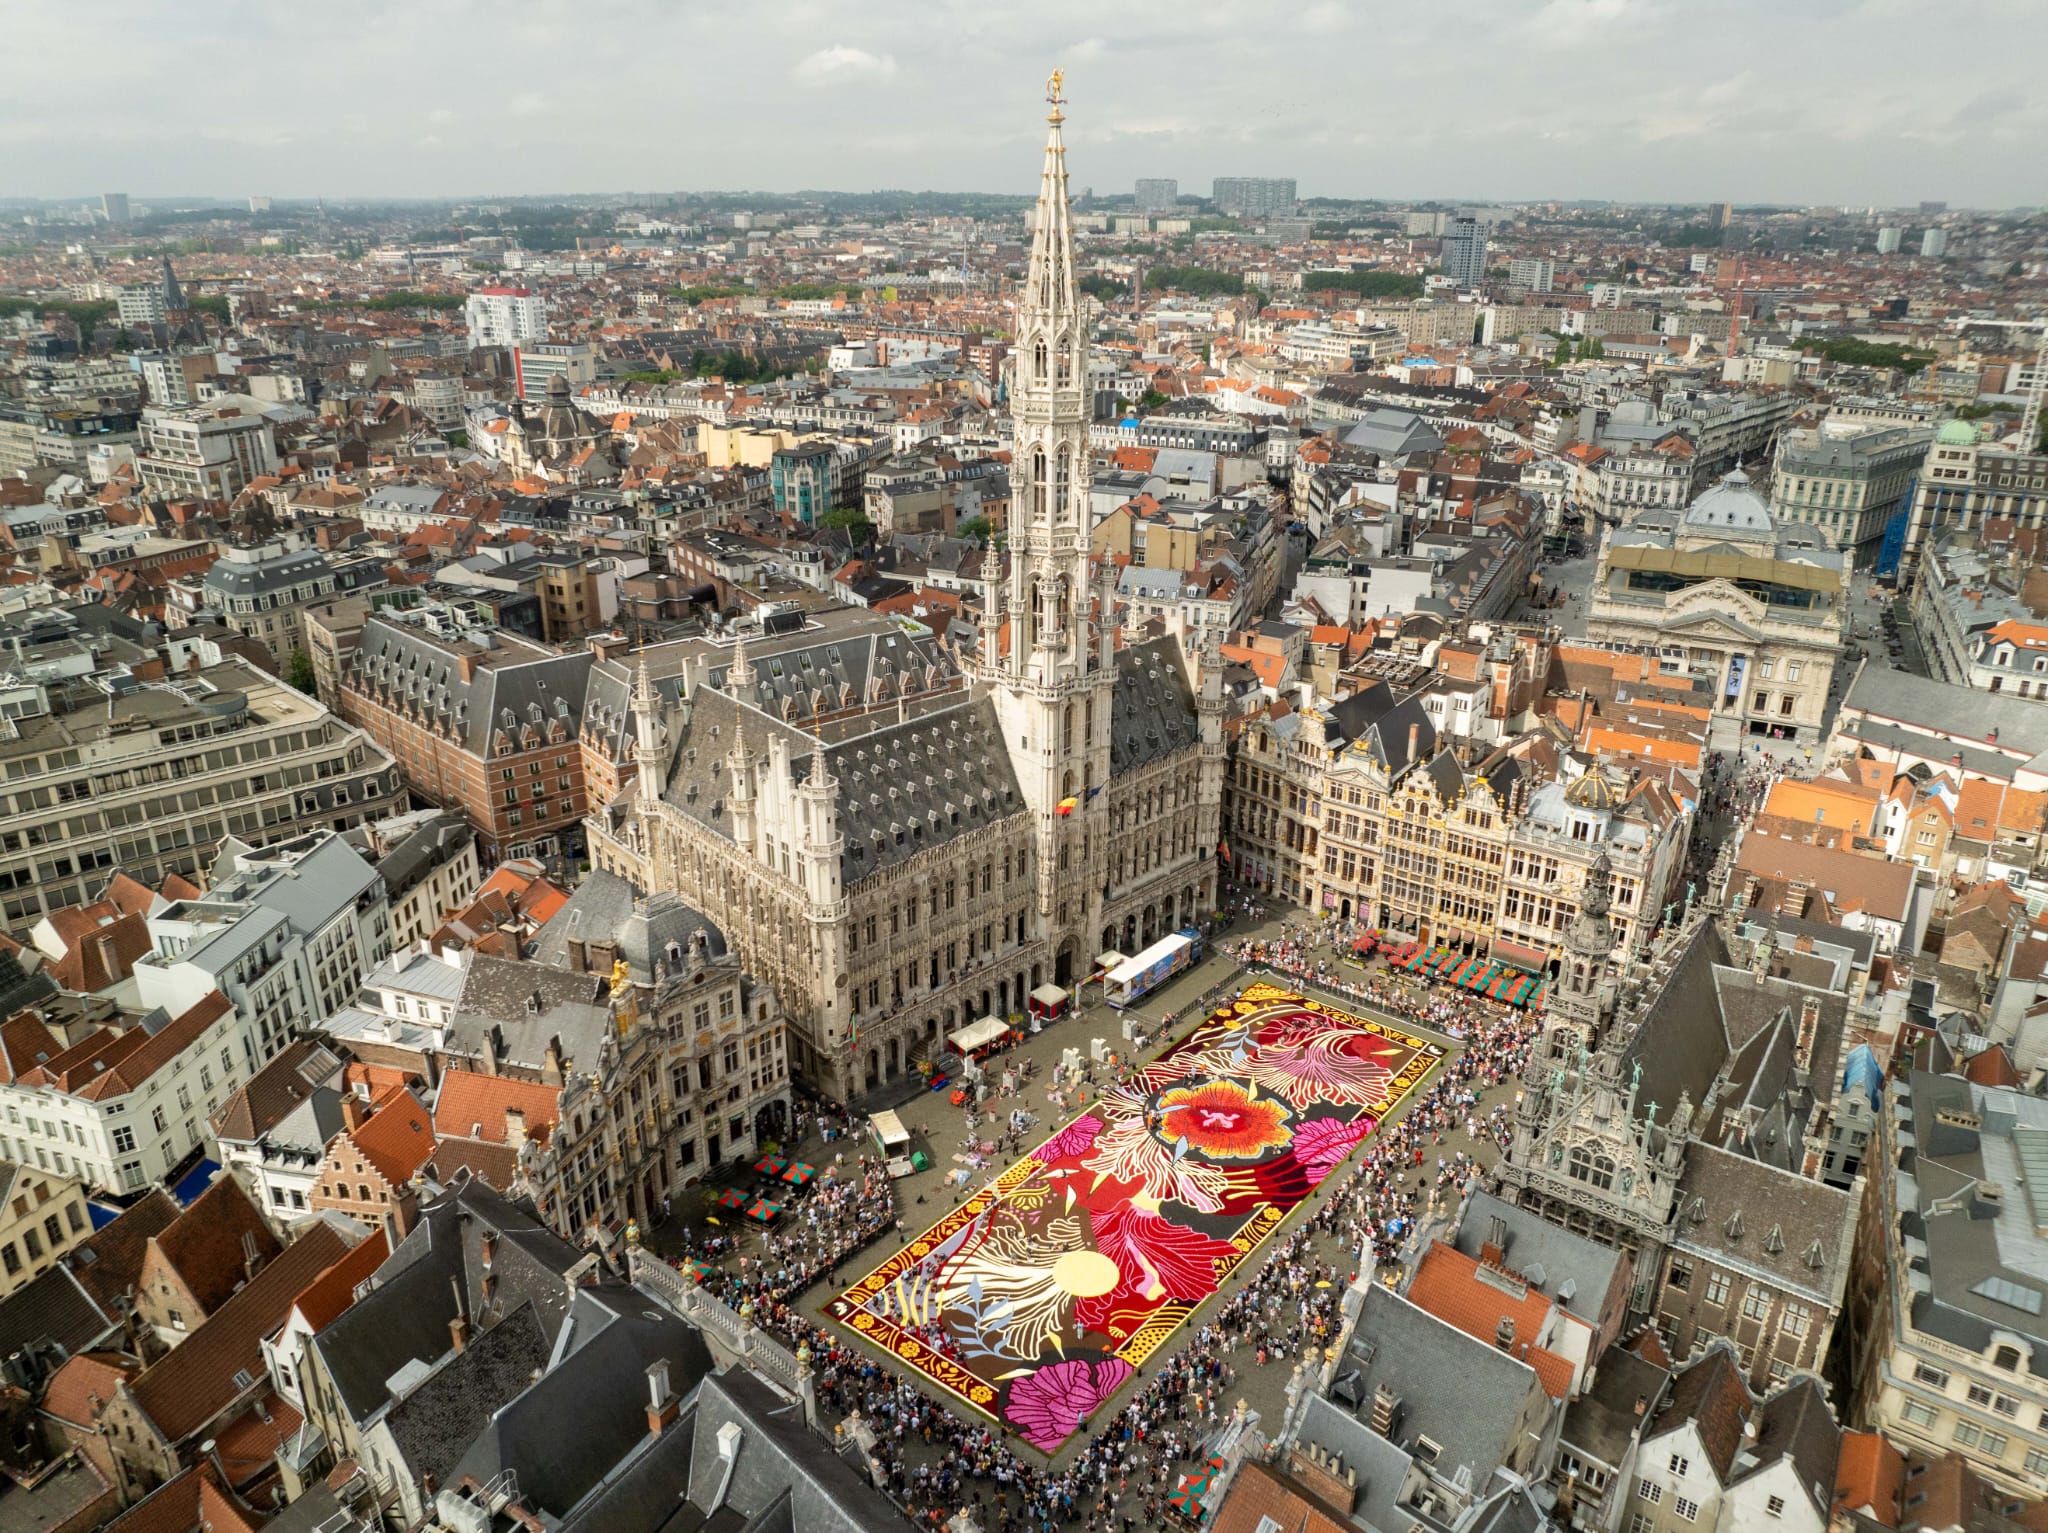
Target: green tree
976	528
1563	354
853	521
1151	399
299	670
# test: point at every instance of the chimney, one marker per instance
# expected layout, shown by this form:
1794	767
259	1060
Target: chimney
355	1112
515	1127
579	956
1414	740
1642	1405
458	1327
1386	1408
551	1065
252	1255
109	959
662	1404
494	1046
465	666
1504	1334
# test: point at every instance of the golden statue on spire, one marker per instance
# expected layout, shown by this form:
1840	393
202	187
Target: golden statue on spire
1054	94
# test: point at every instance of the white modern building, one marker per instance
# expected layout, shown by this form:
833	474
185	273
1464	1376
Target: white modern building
119	1109
205	452
287	933
505	316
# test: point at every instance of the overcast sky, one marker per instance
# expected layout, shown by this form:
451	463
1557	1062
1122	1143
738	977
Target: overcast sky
1821	101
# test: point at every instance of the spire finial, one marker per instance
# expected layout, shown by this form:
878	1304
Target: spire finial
1055	95
741	674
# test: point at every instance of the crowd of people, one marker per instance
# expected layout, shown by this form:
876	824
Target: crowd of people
843	1212
1314	955
935	1462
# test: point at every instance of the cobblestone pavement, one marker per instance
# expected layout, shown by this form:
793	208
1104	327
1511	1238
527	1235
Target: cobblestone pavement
939	1128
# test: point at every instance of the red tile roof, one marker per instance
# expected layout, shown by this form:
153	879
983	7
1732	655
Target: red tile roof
334	1290
1449	1285
188	1386
397	1139
472	1105
207	1244
78	1391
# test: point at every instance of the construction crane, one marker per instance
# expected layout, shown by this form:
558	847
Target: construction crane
2030	417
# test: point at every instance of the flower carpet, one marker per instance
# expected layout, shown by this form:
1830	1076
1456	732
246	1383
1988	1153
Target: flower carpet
1035	1300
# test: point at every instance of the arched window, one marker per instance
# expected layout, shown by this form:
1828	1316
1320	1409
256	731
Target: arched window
1038	483
1039	372
1596	1171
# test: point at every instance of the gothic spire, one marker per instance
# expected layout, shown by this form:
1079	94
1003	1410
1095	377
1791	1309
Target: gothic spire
1050	293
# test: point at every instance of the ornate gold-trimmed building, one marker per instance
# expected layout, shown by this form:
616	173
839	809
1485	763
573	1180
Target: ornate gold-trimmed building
900	846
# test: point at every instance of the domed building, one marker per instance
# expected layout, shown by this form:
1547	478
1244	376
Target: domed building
1723	593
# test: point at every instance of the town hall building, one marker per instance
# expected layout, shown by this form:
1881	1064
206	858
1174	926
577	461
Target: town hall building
901	844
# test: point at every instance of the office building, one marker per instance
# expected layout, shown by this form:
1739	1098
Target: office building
139	303
114	207
1427	226
205	452
1253	196
536	363
1949	1310
1934	243
505	316
1464	251
1888	239
1158	195
1536	273
479	720
285	932
1847	479
1719	215
104	772
1965	480
259	204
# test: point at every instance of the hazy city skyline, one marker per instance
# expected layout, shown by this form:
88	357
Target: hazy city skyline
1835	102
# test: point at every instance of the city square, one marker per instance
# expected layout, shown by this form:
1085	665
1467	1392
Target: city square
1114	1231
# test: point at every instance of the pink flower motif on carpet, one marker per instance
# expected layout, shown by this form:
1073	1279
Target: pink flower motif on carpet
1050	1406
1322	1143
1077	1138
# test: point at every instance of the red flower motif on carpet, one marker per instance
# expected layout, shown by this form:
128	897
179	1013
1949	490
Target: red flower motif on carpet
1223	1120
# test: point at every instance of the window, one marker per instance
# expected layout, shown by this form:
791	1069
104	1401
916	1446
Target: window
1979	1394
1968	1433
2007	1358
1717	1288
1681	1274
1650	1491
1775	1506
1756	1303
124	1140
2037	1462
1680	1464
1919	1412
1643	1522
1688	1510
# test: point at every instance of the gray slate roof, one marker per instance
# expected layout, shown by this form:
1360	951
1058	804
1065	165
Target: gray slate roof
404	1317
597	1387
606	907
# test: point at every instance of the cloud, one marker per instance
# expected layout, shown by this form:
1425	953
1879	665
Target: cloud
844	63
